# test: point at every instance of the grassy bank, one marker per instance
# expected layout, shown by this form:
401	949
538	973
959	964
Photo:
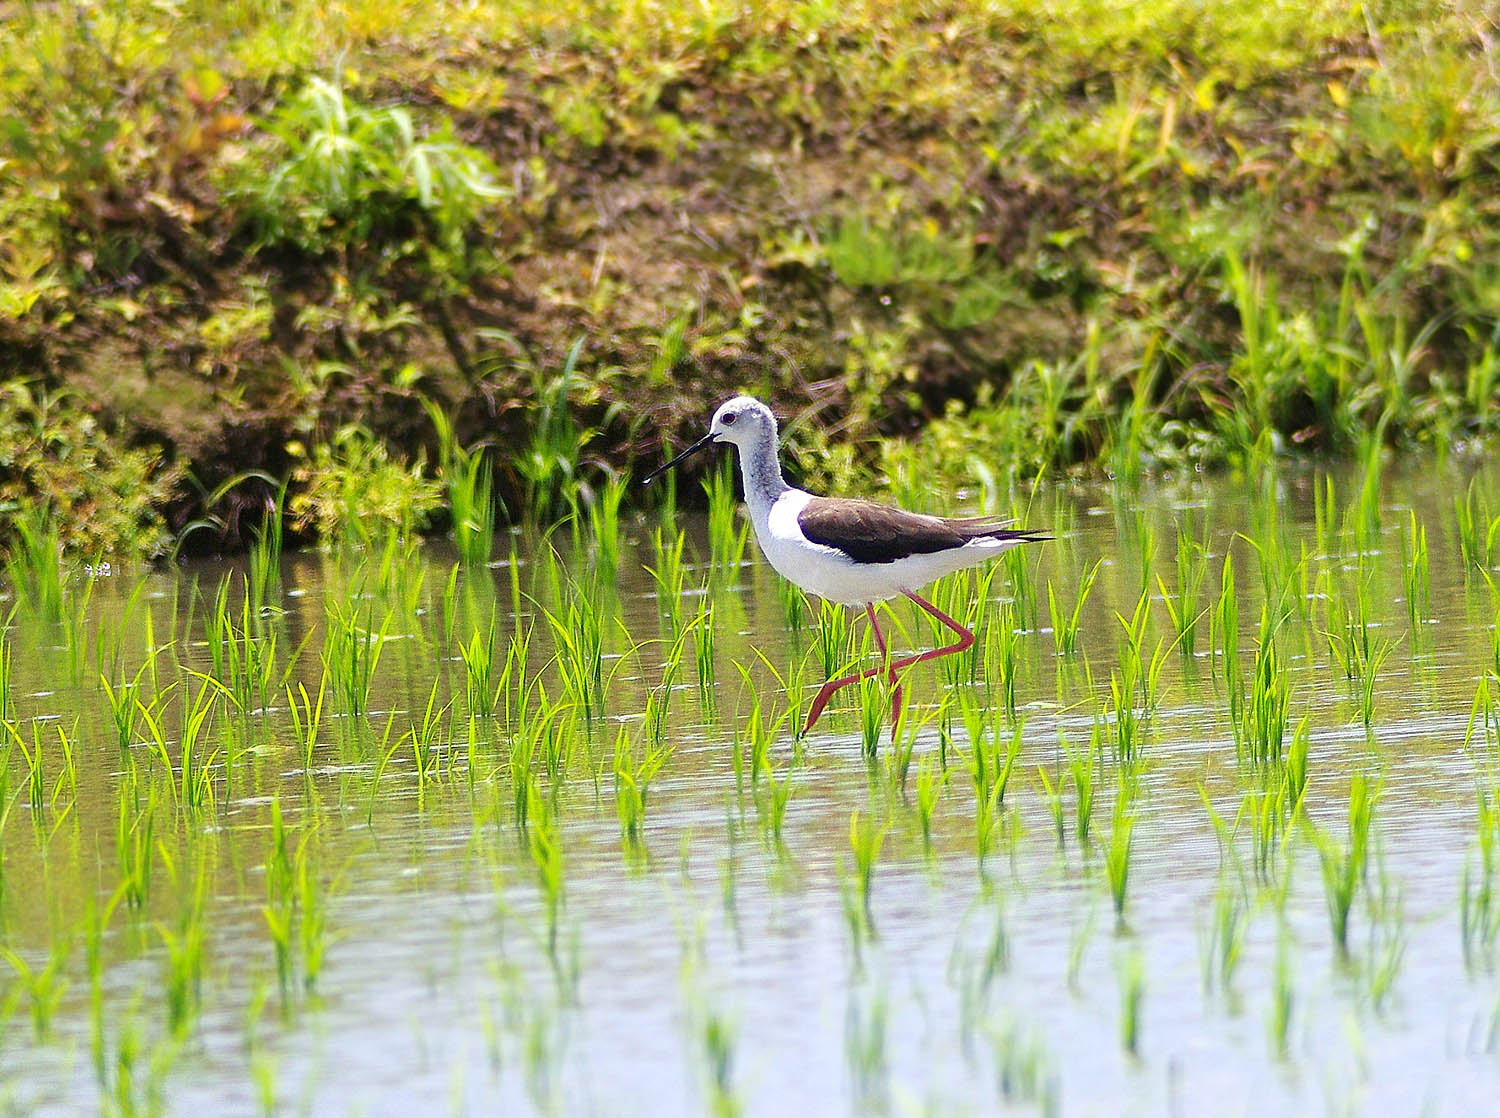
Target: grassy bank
256	236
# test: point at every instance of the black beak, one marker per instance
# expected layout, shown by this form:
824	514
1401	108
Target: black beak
688	453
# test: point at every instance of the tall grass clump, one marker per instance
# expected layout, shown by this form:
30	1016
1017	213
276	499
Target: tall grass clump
468	477
1192	569
728	532
347	176
1065	623
33	565
551	461
351	652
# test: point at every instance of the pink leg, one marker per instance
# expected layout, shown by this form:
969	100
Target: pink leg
826	692
965	636
891	667
885	659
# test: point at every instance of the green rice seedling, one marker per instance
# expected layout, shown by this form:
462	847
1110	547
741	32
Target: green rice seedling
1294	770
1053	798
633	777
1265	811
704	638
718	1042
578	637
1227	621
69	775
1022	586
311	902
904	733
549	463
33	566
515	689
604	523
544	845
1344	864
1484	712
1369	674
1366	511
279	911
833	637
383	757
1192	569
1478	902
448	605
776	797
757	735
794	606
1024	1069
865	1052
1002	657
1079	934
1132	974
873	702
1221	941
351	652
1414	574
989	769
1476	529
1065	626
1129	735
865	841
969	596
75	626
192	786
1083	771
183	962
1261	734
478	656
468	476
36	777
1283	997
1348	639
307	718
123	706
263	559
425	737
932	778
728	532
1117	852
43	986
135	830
660	699
670	575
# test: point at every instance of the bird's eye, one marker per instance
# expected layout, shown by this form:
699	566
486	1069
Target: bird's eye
729	418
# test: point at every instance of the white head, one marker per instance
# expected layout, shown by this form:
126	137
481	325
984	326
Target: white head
745	422
749	425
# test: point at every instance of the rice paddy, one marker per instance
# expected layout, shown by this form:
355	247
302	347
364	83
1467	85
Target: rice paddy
520	824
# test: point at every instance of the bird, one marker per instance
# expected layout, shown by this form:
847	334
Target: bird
848	550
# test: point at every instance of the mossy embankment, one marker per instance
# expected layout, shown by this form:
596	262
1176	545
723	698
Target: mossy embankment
1138	236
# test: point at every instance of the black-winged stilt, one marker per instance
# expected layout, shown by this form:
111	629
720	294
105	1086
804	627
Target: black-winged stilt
849	551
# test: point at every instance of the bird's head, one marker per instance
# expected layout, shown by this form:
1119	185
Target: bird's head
743	421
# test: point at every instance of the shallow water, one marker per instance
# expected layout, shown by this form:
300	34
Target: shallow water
712	946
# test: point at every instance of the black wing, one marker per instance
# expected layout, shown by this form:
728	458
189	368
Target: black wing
871	533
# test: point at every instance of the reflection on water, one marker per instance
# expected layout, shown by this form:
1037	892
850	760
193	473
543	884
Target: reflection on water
712	949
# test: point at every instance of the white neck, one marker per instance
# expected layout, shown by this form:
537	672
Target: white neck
761	470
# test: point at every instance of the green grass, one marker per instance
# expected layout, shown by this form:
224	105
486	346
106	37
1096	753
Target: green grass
1242	233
